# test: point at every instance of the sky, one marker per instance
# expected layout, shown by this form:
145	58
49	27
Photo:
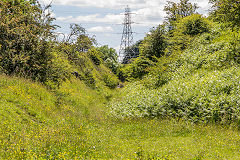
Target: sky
103	18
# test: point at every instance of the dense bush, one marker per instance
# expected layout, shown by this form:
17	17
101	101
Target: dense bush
205	96
201	84
137	69
59	69
89	78
110	57
154	43
162	48
95	56
193	25
176	11
79	56
226	11
185	32
25	39
110	81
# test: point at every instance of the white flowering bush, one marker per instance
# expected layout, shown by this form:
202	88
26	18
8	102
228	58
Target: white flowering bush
205	96
202	87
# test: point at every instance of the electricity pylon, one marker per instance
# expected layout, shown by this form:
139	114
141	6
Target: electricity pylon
126	51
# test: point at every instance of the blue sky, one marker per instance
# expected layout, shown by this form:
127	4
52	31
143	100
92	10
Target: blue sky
103	18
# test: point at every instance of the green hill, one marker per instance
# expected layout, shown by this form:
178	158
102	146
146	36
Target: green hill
180	98
200	84
40	123
73	122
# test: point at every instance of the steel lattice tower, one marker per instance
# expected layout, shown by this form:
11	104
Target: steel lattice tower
126	52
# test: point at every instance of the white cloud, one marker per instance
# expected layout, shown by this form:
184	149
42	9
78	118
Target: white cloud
142	17
100	29
100	3
148	12
115	4
110	18
149	16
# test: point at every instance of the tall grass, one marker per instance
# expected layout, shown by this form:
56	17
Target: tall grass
39	123
72	123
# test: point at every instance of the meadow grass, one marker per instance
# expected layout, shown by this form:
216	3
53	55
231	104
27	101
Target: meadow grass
72	122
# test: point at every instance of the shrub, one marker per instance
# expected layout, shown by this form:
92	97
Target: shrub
201	84
202	97
59	70
185	32
154	44
109	56
137	69
110	81
95	56
24	40
89	78
193	25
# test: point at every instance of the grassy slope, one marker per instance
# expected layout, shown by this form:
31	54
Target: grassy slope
200	84
72	123
36	122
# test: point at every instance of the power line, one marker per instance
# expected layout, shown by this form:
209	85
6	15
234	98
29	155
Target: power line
114	24
116	33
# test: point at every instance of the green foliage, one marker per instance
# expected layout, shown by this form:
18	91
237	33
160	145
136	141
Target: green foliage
179	10
37	123
163	47
90	67
85	60
193	25
110	81
189	73
132	52
71	123
227	11
215	50
78	39
95	56
161	72
137	69
89	78
59	69
109	56
186	30
199	85
25	33
120	73
108	53
203	97
154	43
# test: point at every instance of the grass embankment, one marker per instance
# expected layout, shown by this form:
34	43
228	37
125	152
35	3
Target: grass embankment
71	123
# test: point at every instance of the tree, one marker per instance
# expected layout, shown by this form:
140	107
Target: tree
154	44
137	69
226	11
186	30
110	57
79	38
25	34
132	51
76	43
179	10
193	25
108	53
